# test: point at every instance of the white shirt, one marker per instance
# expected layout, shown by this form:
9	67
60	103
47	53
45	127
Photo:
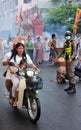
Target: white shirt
18	59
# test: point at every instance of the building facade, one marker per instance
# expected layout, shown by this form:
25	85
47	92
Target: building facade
8	15
9	12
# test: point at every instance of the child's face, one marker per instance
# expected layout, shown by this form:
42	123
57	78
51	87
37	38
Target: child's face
23	66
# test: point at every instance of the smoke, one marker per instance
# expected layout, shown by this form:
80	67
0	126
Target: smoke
57	29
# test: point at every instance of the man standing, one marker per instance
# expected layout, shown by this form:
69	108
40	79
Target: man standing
52	45
69	51
29	47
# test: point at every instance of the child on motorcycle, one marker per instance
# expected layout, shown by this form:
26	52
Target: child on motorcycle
15	56
14	76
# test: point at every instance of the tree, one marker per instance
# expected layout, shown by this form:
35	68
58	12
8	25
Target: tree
63	15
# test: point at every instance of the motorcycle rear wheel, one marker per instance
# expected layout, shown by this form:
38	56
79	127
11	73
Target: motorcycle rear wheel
34	109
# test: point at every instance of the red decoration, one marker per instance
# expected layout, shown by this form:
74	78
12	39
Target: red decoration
37	27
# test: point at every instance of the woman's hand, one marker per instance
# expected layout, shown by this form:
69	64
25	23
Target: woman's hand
38	69
5	63
34	67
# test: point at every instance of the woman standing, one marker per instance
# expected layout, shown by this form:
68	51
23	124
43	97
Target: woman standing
39	50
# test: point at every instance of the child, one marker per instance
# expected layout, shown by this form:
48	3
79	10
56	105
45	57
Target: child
22	64
15	77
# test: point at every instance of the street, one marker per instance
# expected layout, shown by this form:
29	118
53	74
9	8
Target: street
59	111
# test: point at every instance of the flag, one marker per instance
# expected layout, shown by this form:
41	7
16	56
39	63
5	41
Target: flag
20	21
27	16
17	19
78	14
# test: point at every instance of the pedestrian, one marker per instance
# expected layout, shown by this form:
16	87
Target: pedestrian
46	50
16	55
52	45
29	47
1	48
39	50
69	51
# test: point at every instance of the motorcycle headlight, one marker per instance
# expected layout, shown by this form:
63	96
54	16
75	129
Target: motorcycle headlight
30	73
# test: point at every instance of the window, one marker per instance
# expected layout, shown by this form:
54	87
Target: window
27	1
16	2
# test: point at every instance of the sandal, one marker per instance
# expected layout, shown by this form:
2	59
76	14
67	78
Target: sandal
14	104
11	101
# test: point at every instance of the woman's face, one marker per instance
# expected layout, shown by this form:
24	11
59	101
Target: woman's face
20	50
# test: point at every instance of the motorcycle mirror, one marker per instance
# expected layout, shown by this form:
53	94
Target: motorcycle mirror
11	64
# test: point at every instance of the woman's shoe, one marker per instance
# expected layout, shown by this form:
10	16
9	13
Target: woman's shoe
11	101
15	104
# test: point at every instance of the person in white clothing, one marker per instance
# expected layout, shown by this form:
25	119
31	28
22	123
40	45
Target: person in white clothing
15	56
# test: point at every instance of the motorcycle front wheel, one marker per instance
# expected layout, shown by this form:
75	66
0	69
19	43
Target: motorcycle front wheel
34	109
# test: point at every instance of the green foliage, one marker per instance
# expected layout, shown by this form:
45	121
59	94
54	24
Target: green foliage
64	15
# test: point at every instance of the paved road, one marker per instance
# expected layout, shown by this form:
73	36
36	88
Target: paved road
60	111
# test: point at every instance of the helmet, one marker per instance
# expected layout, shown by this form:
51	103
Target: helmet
68	35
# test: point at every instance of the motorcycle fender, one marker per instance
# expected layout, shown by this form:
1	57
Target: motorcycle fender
34	94
22	87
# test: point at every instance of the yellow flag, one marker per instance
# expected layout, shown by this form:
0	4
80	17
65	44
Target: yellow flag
78	13
20	21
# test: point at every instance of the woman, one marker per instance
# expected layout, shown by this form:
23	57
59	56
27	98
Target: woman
16	55
39	50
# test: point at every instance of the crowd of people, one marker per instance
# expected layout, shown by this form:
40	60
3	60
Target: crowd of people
36	47
40	48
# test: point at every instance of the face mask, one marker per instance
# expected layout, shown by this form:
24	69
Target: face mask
68	37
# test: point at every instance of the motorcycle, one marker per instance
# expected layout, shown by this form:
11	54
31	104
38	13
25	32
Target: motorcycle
28	92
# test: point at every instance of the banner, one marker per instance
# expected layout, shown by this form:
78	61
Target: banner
27	17
37	27
78	15
20	21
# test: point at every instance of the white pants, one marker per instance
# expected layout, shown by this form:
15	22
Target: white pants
15	80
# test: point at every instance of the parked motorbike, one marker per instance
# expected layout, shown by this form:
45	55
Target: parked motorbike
28	97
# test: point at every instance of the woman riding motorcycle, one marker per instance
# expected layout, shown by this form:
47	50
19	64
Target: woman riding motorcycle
15	56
